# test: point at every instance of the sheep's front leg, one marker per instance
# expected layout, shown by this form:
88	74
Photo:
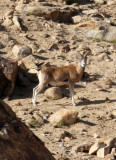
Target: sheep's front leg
71	87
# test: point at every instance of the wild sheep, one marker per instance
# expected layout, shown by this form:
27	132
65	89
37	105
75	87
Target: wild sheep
70	73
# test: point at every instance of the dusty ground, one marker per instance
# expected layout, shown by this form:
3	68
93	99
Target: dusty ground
94	105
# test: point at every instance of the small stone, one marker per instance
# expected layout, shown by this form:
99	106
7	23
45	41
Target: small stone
76	19
84	147
96	135
113	114
66	49
39	118
114	107
53	47
1	46
89	11
32	122
65	134
18	104
113	151
102	152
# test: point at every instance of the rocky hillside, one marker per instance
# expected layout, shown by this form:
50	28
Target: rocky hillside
49	32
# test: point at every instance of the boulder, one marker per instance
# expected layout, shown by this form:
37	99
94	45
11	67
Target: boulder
63	117
3	82
53	93
9	74
111	34
108	34
22	80
28	63
55	13
17	141
28	67
21	51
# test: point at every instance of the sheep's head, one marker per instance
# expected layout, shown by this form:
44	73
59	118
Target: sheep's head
84	51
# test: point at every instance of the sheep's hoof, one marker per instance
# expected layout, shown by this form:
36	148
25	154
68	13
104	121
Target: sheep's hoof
74	104
34	103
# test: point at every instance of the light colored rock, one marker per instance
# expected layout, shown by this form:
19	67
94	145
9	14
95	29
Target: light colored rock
21	51
99	1
108	34
111	34
114	107
76	19
111	2
95	147
20	8
113	151
102	152
89	11
53	93
96	34
63	117
96	135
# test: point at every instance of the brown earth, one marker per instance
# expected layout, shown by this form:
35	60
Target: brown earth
96	95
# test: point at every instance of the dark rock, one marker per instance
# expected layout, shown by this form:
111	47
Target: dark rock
20	143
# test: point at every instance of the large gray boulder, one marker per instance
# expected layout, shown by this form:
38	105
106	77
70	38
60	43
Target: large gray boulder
55	13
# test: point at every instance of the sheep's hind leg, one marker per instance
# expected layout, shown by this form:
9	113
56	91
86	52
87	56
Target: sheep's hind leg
37	90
